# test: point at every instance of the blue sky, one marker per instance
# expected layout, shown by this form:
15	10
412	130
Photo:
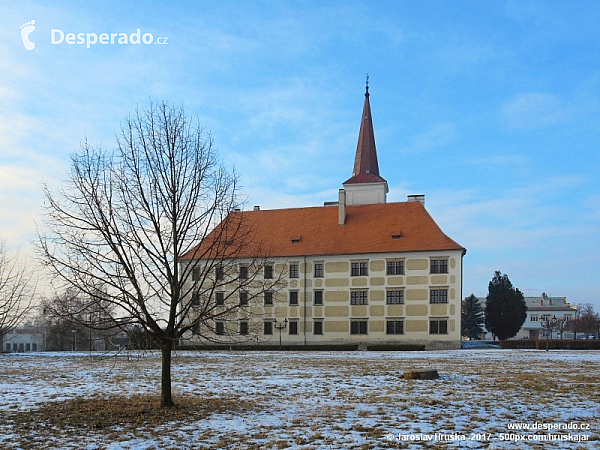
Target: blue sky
490	109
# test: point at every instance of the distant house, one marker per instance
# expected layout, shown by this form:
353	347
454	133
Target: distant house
356	271
544	308
27	338
540	309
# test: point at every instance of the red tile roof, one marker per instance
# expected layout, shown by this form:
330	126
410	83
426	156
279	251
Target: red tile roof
367	229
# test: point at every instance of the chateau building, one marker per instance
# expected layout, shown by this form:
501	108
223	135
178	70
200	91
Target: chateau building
356	271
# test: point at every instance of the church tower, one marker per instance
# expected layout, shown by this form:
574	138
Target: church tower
366	186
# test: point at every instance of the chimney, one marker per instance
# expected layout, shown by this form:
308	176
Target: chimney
417	198
257	208
342	208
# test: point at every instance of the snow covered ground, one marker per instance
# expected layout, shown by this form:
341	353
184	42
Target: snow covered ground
317	400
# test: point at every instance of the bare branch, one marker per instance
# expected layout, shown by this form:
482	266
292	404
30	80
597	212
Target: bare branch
17	290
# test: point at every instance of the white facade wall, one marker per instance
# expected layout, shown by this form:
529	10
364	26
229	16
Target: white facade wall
365	193
24	340
332	321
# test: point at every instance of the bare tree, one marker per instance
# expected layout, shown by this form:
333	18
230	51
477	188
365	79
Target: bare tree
75	323
125	219
17	289
588	321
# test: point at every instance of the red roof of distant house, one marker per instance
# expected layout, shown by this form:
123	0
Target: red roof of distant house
377	228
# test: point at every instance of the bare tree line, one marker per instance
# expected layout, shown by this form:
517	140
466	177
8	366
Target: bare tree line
17	291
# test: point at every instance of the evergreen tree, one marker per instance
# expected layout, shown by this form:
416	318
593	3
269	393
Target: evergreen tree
471	318
505	308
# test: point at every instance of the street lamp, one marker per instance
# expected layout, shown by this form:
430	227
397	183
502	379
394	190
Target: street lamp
280	327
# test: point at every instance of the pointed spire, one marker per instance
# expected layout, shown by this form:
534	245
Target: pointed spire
366	167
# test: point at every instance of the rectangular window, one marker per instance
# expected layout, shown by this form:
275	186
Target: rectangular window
438	266
269	298
568	317
243	298
293	298
438	326
34	347
359	268
269	272
220	328
219	273
196	327
243	272
395	297
395	268
358	327
318	326
219	298
293	324
268	327
27	347
318	270
293	270
195	273
358	297
395	327
318	297
438	296
244	328
196	299
534	318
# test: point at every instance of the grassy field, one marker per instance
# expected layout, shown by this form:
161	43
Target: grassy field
301	400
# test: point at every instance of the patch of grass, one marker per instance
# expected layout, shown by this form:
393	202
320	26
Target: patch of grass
128	412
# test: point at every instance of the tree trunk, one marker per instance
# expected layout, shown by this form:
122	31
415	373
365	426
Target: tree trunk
166	400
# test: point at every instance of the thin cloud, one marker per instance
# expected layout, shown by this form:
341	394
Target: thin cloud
438	135
533	109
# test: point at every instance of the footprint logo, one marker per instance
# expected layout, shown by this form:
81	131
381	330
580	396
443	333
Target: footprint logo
26	30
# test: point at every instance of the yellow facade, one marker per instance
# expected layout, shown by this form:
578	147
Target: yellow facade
346	317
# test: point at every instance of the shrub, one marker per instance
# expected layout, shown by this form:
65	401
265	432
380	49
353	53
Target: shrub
552	344
396	347
518	343
271	347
